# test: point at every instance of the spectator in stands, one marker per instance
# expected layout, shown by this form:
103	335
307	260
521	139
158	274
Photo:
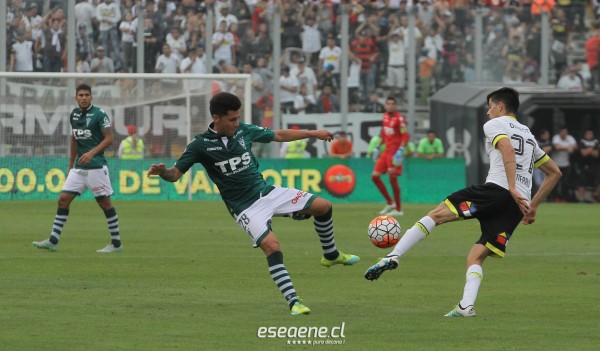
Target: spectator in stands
223	44
592	53
304	102
365	50
430	147
328	79
84	45
152	44
265	105
290	86
195	63
108	15
227	68
177	43
373	105
33	23
561	34
587	164
426	67
85	13
571	81
396	69
102	63
328	101
311	40
169	64
82	65
341	146
132	147
563	145
54	47
330	56
248	48
225	15
264	43
305	75
127	40
21	54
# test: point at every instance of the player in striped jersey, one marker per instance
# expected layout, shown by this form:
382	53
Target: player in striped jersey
499	204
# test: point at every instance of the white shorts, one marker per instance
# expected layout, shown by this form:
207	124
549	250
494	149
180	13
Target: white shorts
396	77
97	180
256	219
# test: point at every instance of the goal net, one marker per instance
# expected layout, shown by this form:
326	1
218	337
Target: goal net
168	110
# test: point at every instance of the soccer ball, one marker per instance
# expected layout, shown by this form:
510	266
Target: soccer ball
384	231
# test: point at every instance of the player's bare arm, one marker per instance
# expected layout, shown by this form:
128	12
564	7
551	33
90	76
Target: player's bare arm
510	167
282	135
553	175
169	174
73	152
108	141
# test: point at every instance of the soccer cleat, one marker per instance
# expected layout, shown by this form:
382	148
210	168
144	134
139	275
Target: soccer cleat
343	258
458	311
46	245
299	308
395	213
385	264
388	208
111	248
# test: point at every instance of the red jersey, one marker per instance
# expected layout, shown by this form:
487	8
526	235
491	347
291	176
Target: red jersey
394	131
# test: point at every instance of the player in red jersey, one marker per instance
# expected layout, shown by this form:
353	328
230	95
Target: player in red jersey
394	134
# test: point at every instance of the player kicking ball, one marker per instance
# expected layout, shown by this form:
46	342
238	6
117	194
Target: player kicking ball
499	204
225	151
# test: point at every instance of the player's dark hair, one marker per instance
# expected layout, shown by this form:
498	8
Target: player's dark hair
83	87
391	98
222	103
508	96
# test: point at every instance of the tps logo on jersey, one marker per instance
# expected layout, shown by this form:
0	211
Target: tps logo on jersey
232	164
82	134
339	180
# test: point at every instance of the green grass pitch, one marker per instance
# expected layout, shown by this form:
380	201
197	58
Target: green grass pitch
190	280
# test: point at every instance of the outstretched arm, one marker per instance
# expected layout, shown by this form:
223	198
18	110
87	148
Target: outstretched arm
293	134
169	174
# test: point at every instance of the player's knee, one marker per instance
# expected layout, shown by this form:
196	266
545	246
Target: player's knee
320	206
375	177
270	245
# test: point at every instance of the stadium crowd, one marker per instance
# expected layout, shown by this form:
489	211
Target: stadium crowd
242	42
175	42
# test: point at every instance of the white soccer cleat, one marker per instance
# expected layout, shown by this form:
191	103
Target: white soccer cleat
45	245
458	311
111	248
388	208
395	213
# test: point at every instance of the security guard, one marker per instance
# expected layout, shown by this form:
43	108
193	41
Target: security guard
131	148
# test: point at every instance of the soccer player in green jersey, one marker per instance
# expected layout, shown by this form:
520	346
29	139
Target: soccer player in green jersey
225	151
91	135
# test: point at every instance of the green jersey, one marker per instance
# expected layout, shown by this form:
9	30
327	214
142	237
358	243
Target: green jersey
87	130
230	164
428	148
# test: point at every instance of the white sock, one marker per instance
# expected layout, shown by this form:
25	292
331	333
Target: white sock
474	278
412	236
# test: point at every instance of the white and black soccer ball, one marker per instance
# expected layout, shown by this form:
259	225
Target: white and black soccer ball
384	231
